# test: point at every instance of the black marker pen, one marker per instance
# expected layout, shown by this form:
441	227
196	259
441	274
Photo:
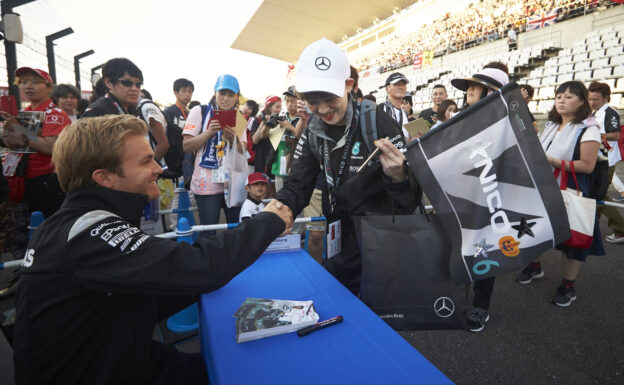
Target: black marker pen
320	325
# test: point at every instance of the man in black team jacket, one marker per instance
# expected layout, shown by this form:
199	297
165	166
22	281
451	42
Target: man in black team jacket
124	80
94	285
336	143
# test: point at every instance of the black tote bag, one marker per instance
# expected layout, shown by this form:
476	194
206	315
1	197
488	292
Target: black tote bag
405	272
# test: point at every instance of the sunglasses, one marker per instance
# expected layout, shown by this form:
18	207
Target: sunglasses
130	83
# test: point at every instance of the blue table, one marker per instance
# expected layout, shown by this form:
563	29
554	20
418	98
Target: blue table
363	349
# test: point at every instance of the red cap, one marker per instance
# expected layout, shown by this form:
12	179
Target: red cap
257	177
272	99
41	73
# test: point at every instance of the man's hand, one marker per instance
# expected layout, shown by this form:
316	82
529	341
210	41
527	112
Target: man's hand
9	121
286	125
391	160
302	110
16	140
278	208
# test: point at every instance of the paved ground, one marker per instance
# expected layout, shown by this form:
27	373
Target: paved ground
528	340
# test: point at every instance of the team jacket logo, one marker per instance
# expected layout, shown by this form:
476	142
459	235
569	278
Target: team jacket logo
356	148
29	258
54	119
444	307
322	63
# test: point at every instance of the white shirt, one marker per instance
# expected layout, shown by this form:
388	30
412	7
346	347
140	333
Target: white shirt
614	155
250	208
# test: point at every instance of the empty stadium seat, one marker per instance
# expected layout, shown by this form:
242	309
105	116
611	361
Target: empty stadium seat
565	78
617	50
611	43
594	46
583	75
581	66
550	70
547	92
597	54
617	73
579	57
619	86
602	73
579	50
566	68
603	62
616	101
533	106
546	105
617	60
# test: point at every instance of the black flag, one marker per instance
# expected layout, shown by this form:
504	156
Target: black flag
489	181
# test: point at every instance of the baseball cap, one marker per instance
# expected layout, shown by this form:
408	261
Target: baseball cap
257	177
227	82
491	78
396	77
322	67
41	73
291	92
271	99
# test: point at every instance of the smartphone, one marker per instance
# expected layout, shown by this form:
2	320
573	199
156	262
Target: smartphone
225	118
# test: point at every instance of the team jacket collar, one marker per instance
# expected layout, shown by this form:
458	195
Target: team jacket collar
318	127
128	206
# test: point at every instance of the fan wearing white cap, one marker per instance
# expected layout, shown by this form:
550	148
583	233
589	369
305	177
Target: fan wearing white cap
396	89
335	145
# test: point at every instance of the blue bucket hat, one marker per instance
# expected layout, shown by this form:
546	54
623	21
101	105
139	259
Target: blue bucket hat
227	82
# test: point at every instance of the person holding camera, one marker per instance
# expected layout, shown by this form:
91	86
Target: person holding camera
260	128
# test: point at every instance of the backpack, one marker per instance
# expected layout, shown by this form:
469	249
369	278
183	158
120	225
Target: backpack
174	155
368	126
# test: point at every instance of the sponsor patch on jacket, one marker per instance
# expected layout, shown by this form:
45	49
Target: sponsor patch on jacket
119	234
55	119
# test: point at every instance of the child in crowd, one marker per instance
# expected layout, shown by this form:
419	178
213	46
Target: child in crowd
257	184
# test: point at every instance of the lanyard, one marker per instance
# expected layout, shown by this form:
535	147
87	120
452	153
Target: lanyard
394	113
119	109
182	111
334	183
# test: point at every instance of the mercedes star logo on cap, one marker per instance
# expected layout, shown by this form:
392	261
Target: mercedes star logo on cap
444	307
322	63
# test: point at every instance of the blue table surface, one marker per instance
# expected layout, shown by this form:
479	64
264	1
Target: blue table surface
362	349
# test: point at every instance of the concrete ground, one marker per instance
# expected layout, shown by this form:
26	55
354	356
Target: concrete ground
527	340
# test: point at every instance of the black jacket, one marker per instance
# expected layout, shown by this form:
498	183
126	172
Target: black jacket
93	286
108	105
369	192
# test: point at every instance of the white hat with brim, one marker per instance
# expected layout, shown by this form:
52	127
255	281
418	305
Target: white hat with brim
491	78
322	67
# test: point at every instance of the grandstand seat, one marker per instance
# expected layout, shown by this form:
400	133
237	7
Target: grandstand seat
565	52
617	50
535	82
579	57
533	106
619	86
579	49
618	72
598	63
583	75
617	60
537	72
611	43
566	68
546	105
564	60
602	73
549	80
547	92
581	66
565	78
616	101
597	54
550	70
594	46
609	82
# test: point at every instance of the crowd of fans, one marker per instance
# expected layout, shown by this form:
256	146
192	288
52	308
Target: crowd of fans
191	142
480	22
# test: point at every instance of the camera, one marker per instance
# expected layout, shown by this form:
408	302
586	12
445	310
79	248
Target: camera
274	120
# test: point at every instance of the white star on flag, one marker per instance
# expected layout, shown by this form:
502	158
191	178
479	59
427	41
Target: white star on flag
478	148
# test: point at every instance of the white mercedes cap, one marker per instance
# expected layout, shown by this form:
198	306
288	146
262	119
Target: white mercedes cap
322	67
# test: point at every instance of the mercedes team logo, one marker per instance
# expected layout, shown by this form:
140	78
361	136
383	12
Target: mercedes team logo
444	307
322	63
514	105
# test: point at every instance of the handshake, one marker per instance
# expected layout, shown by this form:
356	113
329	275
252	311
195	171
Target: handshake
284	212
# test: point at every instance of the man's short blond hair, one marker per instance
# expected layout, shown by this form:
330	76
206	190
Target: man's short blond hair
90	144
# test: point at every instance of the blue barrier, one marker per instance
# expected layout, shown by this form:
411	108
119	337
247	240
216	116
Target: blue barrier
35	220
186	320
